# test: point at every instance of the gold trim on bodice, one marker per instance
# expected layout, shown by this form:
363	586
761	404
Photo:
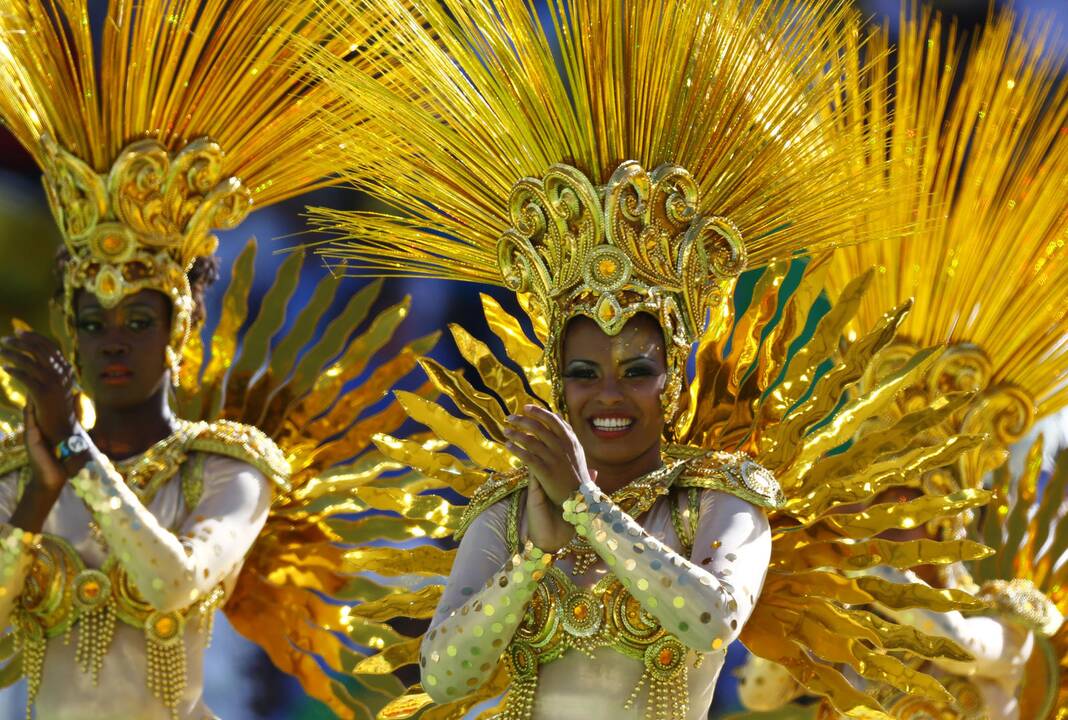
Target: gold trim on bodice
61	592
562	616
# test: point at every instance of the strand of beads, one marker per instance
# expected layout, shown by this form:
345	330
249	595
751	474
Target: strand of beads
165	648
96	620
30	641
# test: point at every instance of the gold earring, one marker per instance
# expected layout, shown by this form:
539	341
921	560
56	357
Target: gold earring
174	362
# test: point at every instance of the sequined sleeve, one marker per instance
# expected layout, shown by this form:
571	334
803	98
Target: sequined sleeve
15	548
764	685
703	600
174	569
480	609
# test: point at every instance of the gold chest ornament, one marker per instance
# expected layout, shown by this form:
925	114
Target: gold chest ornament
61	592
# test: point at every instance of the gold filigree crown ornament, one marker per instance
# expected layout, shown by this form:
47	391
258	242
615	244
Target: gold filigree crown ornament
638	244
978	154
142	225
510	155
185	117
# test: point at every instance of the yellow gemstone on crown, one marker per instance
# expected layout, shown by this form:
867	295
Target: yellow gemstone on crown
112	244
581	612
606	267
606	311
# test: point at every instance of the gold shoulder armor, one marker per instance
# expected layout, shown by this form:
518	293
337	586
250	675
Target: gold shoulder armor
245	443
733	473
13	452
498	487
1021	601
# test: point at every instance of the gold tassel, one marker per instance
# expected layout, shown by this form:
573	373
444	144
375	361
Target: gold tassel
523	667
165	649
31	643
96	620
666	677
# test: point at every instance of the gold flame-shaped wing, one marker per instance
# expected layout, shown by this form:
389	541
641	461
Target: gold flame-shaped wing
794	417
295	593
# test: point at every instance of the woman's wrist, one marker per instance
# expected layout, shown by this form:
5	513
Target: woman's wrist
34	507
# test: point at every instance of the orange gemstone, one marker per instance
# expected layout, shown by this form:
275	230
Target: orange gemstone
581	612
165	626
91	590
112	243
606	267
666	656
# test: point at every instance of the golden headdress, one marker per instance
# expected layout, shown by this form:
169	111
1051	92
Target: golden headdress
196	113
978	151
615	159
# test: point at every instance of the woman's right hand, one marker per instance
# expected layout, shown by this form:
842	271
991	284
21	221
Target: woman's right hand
48	475
46	482
546	527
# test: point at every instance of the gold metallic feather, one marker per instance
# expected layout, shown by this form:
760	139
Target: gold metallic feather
501	95
978	155
173	71
290	597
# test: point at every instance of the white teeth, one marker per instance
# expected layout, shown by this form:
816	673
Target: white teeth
612	423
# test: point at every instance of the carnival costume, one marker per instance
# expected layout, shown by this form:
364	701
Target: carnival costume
198	113
625	160
978	156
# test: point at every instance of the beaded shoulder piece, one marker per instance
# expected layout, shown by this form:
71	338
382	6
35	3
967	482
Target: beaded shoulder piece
498	487
733	473
245	443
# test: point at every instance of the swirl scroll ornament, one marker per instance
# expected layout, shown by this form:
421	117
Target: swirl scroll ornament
637	244
143	224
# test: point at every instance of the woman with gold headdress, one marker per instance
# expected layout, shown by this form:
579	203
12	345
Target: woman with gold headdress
617	165
120	540
979	156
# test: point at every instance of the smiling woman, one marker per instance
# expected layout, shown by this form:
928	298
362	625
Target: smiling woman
617	165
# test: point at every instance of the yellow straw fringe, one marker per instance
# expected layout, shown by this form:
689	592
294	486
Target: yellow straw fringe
983	170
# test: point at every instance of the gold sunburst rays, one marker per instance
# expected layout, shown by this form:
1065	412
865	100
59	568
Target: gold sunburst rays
757	401
978	150
504	94
173	71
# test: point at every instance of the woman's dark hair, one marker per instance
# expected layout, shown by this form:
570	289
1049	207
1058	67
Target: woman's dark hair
202	275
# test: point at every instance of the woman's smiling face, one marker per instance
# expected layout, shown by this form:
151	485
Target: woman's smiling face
612	387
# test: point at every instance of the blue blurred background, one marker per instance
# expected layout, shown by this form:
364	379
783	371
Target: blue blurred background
241	682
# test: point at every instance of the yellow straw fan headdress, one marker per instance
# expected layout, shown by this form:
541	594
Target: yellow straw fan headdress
978	150
187	115
614	158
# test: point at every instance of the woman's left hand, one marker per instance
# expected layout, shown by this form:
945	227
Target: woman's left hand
38	363
548	446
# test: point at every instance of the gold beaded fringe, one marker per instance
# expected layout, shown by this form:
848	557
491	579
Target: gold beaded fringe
96	628
166	671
